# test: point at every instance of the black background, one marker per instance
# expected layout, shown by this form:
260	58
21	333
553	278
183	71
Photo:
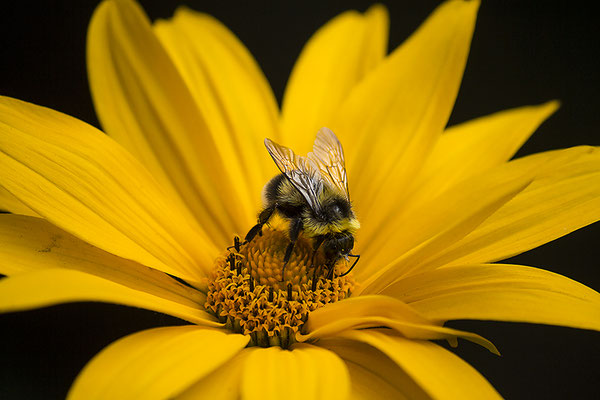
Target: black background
522	53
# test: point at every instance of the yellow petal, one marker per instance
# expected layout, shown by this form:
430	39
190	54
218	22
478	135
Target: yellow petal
155	364
501	293
376	311
440	373
563	197
377	23
475	147
223	383
49	287
404	103
82	181
373	375
30	244
306	372
402	245
332	62
231	92
143	102
10	203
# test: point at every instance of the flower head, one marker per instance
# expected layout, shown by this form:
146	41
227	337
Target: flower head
146	215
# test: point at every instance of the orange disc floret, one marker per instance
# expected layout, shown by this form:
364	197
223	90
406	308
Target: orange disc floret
247	294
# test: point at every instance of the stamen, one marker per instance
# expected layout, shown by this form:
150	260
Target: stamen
247	294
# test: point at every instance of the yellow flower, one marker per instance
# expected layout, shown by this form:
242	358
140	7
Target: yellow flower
114	218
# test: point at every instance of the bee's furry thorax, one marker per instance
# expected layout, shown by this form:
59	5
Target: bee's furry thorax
336	216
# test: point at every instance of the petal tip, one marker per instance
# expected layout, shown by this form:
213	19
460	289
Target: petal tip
378	10
552	106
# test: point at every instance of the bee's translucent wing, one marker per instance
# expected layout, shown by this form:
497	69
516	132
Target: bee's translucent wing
328	155
302	172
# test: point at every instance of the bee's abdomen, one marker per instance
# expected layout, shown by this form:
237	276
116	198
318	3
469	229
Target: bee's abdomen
280	191
271	190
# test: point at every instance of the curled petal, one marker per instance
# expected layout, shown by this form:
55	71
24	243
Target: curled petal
500	292
376	311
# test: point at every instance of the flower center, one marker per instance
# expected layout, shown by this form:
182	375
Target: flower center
247	294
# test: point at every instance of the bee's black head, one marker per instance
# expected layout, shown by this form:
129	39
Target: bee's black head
338	244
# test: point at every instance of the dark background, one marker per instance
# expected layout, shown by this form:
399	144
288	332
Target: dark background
521	54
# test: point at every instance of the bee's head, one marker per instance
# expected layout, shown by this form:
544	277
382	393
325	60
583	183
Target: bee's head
338	244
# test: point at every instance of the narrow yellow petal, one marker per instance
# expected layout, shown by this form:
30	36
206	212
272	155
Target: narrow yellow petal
405	103
376	311
475	147
30	244
306	372
501	293
10	203
155	364
402	245
447	217
143	102
82	181
439	372
376	44
563	197
49	287
332	62
231	92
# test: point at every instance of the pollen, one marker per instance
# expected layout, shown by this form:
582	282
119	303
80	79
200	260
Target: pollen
247	294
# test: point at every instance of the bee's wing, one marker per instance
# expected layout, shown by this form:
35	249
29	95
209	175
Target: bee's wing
301	171
328	155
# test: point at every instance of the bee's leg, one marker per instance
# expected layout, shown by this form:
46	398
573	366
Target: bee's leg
330	271
316	244
295	228
263	217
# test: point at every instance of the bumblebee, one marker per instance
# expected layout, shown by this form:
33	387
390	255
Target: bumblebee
311	193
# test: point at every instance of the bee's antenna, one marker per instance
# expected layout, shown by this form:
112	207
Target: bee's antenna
357	258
